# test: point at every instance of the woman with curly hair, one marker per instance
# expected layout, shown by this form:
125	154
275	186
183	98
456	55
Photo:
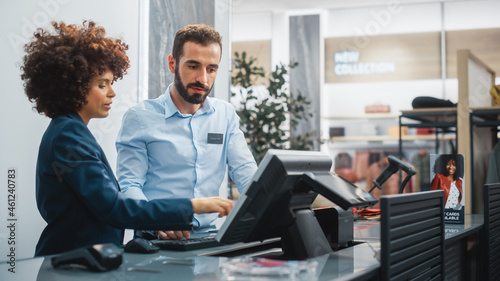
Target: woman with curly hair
68	75
449	172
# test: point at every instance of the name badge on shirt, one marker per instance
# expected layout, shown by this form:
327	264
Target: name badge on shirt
215	138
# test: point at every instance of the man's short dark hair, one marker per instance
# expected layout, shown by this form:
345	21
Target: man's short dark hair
197	33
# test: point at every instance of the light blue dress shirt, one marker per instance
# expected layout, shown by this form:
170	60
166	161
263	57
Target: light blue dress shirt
163	153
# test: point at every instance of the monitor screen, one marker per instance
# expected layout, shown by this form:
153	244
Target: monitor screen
278	201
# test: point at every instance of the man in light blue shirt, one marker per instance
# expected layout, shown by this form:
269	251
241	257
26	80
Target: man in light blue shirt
179	144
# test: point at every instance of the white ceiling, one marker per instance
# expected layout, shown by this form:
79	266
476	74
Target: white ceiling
262	6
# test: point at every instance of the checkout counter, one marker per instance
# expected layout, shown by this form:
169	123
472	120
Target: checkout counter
357	262
260	215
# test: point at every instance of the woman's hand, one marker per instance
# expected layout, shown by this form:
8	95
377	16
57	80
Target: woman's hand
212	205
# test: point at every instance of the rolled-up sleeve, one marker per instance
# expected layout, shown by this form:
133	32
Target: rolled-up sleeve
241	163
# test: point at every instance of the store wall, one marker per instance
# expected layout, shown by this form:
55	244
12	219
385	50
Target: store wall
22	127
398	20
349	99
463	15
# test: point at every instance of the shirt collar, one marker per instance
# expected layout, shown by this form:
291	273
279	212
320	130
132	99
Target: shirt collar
171	109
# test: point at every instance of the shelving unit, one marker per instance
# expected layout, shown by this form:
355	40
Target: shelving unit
446	119
474	110
376	146
389	138
381	142
355	140
363	116
443	120
353	125
362	132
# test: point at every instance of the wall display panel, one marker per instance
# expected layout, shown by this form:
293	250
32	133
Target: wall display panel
165	18
305	48
392	57
260	50
484	43
22	127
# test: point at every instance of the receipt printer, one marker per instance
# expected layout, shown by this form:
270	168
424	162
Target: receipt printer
337	225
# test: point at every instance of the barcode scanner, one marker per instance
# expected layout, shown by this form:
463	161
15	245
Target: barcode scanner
394	165
99	258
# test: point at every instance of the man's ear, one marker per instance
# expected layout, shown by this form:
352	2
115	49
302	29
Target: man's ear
171	63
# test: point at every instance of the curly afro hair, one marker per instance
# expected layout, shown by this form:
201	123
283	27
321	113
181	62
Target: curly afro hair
57	68
442	161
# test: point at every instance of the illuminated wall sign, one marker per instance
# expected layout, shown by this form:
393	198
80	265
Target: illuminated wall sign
346	63
388	57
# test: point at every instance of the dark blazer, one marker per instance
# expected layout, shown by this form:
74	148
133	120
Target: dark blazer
79	198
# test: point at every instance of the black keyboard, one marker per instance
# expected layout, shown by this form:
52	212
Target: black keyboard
187	244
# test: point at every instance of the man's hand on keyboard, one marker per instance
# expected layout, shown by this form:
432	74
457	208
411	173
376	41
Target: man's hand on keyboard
172	234
212	205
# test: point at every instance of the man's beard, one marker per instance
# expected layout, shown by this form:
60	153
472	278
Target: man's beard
195	98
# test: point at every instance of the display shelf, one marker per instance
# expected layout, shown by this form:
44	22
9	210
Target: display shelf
485	116
370	124
446	119
384	142
369	132
443	119
429	117
362	116
389	138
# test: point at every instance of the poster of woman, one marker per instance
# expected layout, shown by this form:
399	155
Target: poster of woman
447	173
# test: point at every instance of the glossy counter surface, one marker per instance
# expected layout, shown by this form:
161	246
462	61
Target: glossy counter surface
360	260
166	265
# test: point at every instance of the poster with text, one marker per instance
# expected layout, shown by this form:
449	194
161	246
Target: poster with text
447	173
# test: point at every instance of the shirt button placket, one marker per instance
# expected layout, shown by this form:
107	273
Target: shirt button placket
194	133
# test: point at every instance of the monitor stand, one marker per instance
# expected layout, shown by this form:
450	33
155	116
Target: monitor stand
313	233
304	238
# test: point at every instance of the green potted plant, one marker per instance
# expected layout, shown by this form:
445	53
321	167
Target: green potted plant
268	119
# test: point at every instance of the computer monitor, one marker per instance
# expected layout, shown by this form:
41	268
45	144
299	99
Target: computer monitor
278	203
